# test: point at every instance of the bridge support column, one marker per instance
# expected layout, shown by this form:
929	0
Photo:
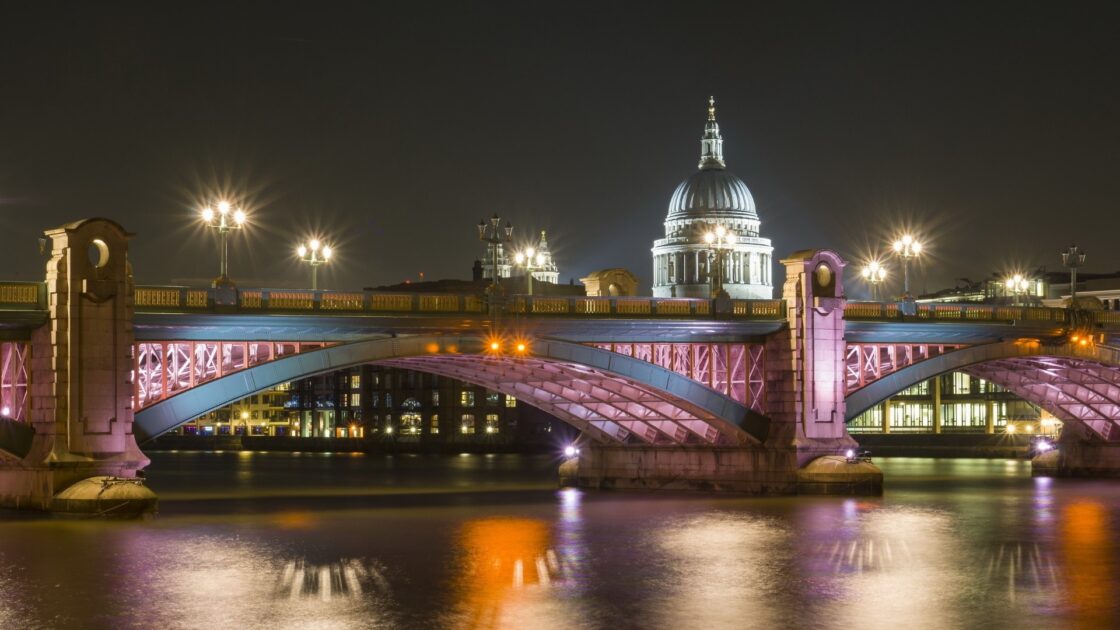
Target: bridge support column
937	404
805	377
1078	457
82	457
753	470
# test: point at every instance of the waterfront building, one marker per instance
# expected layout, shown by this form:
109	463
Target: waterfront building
382	403
954	403
707	199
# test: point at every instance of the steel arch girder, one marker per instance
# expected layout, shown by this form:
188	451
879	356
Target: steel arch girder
731	419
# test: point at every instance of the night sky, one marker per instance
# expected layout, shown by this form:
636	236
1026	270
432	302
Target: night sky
389	129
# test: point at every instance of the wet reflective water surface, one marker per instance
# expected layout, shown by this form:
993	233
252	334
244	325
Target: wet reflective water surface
316	541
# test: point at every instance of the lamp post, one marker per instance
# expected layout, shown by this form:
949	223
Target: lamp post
225	220
530	259
1073	258
907	247
1016	285
315	253
719	240
874	273
494	235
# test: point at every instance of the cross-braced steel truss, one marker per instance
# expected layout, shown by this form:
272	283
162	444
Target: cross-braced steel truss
868	362
610	407
14	359
164	368
736	370
1077	390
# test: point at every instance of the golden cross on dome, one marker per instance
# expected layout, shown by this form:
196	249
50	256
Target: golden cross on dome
711	108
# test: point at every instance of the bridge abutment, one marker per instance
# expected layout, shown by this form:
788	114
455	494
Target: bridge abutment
81	361
1079	458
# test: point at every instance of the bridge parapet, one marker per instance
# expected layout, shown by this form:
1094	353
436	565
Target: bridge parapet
971	312
157	298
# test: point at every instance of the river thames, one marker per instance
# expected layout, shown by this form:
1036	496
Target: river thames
251	540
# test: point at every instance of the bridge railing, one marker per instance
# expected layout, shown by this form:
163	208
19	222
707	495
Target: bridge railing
23	296
150	298
969	312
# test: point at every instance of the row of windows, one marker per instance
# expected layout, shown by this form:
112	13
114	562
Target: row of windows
960	383
918	416
413	423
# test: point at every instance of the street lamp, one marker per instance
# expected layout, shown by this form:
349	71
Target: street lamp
720	240
1073	258
1016	285
874	273
494	235
530	259
907	247
224	221
315	253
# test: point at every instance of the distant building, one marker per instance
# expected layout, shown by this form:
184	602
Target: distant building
1030	289
710	198
1103	287
371	401
616	282
954	403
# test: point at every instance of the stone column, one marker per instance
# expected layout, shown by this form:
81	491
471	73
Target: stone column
886	411
990	417
81	401
805	362
937	404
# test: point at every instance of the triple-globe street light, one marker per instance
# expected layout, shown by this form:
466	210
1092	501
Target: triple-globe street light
1073	258
1016	285
906	248
874	273
531	260
314	253
492	233
720	239
224	221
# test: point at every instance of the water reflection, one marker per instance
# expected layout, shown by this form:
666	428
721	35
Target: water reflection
1020	566
949	545
885	567
721	570
1087	556
507	565
342	579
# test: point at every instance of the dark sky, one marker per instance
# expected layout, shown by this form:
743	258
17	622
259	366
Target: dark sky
391	128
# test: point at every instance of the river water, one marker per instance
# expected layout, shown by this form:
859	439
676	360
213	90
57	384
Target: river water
277	540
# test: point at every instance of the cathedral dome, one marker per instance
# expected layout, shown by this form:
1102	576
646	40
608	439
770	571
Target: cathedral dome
712	193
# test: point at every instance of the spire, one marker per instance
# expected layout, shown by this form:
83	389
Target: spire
711	145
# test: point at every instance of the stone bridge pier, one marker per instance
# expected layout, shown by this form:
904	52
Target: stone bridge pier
82	456
805	448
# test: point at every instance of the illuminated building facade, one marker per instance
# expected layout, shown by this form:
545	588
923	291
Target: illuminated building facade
376	402
712	197
954	403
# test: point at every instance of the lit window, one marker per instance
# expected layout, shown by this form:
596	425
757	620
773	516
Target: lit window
491	423
355	381
493	399
411	423
388	401
510	401
435	399
355	399
466	399
466	424
435	423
